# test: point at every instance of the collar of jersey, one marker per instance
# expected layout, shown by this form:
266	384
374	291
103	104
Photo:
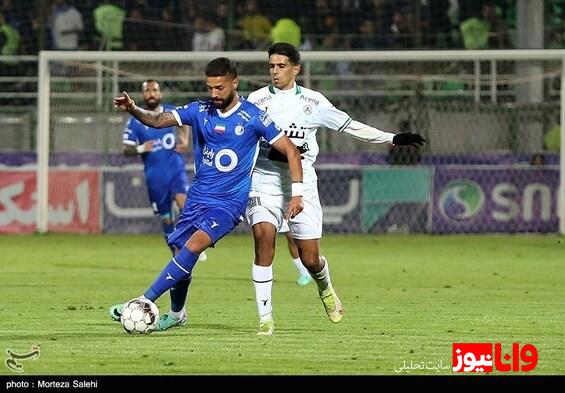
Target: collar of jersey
274	90
230	112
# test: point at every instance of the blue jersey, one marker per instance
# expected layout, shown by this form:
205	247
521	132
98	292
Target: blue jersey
225	148
162	164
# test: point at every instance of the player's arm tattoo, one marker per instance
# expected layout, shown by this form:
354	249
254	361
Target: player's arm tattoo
152	118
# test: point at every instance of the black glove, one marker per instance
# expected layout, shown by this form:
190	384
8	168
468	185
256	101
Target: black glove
408	138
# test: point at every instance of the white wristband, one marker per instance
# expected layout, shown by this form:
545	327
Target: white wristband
297	189
140	148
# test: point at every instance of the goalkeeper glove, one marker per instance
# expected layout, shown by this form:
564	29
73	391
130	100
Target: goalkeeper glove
408	138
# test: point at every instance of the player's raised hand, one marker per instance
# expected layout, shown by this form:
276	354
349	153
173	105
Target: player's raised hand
295	206
124	102
408	138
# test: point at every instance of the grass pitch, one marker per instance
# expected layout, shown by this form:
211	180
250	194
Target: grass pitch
407	299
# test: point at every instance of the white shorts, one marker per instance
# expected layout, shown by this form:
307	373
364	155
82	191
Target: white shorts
284	227
268	208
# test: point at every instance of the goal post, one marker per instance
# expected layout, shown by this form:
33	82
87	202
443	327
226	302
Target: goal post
418	84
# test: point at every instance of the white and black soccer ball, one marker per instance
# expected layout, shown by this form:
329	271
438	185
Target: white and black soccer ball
140	316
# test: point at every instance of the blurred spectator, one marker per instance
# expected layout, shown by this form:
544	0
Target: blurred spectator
485	28
137	32
9	45
402	29
498	29
322	23
475	31
537	159
439	24
256	27
11	38
66	26
179	37
209	36
367	37
109	24
552	139
221	14
286	30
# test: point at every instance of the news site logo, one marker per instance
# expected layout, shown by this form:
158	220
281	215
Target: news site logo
478	358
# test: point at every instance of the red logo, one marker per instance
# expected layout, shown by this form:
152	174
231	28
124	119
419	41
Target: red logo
478	358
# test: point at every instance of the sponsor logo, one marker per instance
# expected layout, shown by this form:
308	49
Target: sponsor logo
265	119
244	115
461	200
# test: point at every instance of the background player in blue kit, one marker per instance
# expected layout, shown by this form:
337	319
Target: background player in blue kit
226	131
161	152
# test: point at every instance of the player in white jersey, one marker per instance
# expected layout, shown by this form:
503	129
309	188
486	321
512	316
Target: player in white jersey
299	112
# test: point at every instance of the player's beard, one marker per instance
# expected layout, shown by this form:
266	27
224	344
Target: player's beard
223	103
152	103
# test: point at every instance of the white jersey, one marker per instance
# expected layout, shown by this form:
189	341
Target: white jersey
299	112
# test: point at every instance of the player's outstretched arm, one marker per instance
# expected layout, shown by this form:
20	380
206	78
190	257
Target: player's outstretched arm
367	133
149	118
286	147
374	135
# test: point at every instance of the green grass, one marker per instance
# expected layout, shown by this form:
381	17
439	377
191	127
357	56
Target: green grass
407	298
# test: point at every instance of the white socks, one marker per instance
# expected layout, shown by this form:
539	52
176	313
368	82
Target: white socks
322	278
263	282
300	267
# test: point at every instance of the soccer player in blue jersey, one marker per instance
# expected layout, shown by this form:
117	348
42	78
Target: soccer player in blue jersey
226	131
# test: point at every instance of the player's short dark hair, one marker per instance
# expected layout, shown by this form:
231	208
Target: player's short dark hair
148	81
285	49
221	66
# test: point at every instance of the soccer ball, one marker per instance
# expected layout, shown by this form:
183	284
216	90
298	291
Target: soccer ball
140	315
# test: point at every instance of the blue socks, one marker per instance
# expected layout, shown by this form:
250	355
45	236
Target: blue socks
177	270
167	230
179	294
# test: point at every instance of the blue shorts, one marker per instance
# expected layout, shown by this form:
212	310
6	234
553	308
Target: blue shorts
161	195
217	222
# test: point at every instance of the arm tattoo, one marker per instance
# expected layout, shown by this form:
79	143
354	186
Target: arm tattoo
154	119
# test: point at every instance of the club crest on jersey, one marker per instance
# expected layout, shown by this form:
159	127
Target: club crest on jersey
307	110
239	130
220	128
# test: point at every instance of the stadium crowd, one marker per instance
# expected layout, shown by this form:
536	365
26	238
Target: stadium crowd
27	26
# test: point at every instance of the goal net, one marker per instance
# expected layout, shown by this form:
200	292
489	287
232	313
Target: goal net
492	121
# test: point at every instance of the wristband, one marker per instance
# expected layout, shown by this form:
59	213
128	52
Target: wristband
297	189
140	149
